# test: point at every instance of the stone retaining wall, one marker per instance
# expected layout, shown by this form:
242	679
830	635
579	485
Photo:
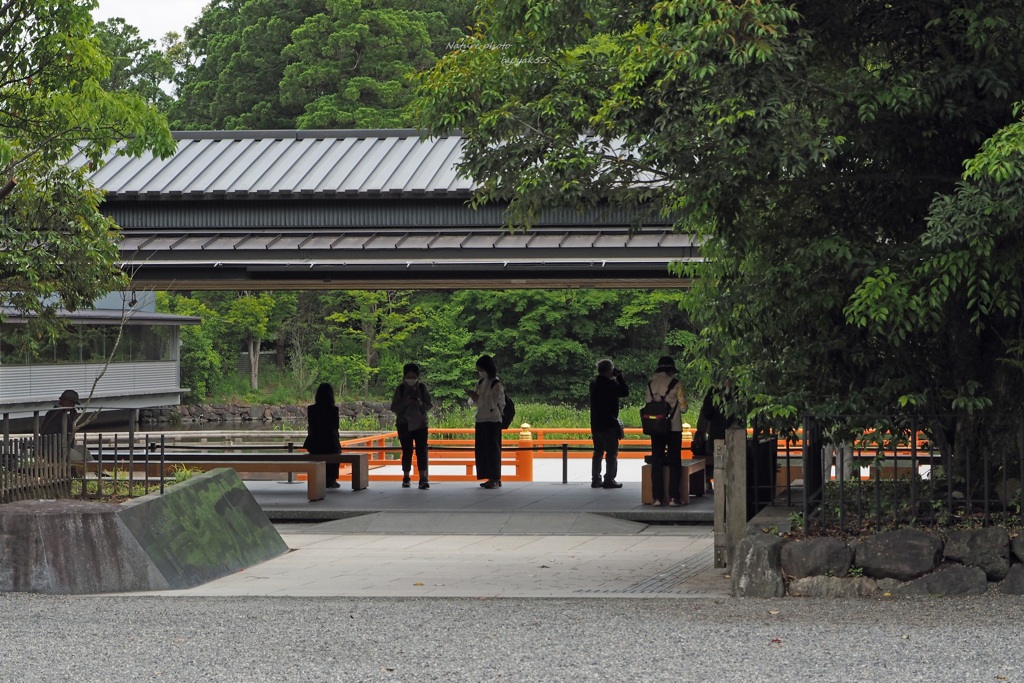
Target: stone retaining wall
243	412
892	563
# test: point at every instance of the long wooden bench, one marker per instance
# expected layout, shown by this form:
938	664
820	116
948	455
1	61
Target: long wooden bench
360	462
315	470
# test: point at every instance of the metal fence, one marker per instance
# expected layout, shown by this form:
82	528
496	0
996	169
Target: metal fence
87	467
896	474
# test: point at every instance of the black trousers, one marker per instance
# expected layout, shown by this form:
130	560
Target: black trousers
410	440
606	445
487	444
666	450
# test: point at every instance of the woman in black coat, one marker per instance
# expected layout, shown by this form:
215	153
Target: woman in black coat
322	436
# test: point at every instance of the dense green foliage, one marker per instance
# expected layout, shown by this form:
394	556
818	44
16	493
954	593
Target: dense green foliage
545	343
56	249
818	149
136	65
266	64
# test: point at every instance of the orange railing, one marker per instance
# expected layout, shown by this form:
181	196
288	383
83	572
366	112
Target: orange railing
453	449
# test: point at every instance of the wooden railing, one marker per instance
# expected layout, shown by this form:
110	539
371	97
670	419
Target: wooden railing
33	468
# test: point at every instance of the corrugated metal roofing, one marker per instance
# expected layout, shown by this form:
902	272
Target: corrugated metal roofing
289	163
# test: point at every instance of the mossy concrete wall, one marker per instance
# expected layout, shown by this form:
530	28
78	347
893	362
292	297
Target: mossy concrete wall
197	531
202	529
71	547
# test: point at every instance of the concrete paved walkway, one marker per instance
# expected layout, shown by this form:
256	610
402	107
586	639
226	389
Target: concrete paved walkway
497	554
284	501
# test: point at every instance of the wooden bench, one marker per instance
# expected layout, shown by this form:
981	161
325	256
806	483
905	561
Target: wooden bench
689	467
315	470
360	462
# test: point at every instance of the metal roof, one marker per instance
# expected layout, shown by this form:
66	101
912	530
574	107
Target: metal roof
287	164
358	209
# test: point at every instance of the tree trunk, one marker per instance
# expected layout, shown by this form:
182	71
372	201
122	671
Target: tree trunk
254	363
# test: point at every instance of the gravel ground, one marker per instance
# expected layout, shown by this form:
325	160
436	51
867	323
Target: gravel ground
135	638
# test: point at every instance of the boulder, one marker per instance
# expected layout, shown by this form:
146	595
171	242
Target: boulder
903	554
1017	547
816	557
1013	584
833	587
954	580
757	572
987	548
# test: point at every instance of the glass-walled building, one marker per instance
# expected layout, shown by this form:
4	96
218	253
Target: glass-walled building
115	359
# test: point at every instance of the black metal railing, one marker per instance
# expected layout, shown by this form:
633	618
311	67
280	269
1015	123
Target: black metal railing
896	475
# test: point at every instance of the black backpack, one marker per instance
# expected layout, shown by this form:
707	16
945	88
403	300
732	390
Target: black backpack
509	412
656	415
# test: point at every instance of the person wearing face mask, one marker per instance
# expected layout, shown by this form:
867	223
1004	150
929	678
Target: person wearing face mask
410	404
489	397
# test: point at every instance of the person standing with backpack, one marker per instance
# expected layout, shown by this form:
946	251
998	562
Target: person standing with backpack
410	404
489	397
667	448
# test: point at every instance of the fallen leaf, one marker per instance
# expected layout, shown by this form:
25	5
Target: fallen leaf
418	583
773	611
544	566
776	640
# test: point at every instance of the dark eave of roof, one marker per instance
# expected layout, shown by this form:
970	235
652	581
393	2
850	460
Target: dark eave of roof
106	317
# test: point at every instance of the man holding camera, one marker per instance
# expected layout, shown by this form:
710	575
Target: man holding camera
605	391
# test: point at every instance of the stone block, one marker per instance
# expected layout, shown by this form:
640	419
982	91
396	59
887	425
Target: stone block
954	580
757	567
820	556
988	549
69	547
833	587
1013	584
903	554
1017	547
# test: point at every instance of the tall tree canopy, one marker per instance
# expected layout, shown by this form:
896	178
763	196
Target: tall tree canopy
308	63
56	249
136	65
230	78
818	149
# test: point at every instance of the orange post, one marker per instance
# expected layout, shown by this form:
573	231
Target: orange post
524	454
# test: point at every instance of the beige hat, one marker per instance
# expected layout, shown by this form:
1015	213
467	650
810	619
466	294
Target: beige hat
70	395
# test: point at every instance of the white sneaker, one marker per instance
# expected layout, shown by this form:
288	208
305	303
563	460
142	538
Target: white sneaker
656	503
674	503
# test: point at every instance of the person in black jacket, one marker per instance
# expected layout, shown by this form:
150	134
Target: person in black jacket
410	404
322	436
605	391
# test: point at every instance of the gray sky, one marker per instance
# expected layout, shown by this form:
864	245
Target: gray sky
153	18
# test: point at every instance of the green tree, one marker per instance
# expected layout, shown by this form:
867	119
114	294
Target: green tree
232	65
379	321
448	366
135	65
817	150
349	67
56	249
202	358
250	316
